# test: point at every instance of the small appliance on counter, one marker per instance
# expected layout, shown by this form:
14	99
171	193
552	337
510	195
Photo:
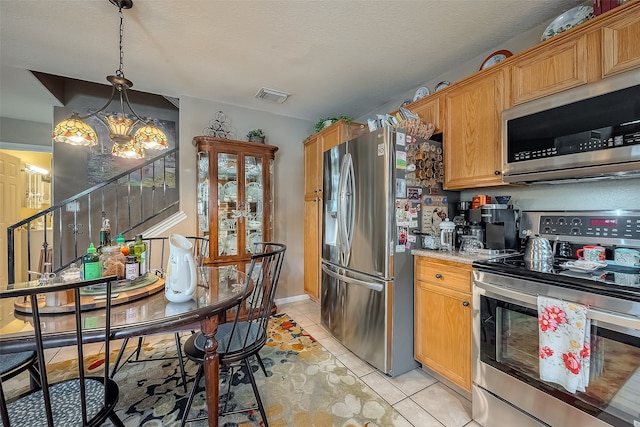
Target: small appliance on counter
497	225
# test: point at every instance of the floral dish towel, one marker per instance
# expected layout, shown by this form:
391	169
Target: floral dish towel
564	336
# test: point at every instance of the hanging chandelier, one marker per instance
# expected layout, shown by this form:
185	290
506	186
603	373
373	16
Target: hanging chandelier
76	131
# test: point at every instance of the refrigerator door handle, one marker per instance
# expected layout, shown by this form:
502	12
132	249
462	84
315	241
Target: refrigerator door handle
369	285
342	208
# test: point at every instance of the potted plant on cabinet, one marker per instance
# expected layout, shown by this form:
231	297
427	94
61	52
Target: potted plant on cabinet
328	121
256	135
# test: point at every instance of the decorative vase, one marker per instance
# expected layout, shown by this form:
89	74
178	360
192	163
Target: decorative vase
259	139
181	270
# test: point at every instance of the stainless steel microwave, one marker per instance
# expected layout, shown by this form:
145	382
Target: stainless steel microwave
589	131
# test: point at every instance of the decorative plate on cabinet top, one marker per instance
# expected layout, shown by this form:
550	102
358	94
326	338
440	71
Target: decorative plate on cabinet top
495	57
567	20
420	93
441	85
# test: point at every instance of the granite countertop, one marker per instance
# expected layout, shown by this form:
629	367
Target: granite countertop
454	256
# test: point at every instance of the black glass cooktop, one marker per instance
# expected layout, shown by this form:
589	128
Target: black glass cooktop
610	279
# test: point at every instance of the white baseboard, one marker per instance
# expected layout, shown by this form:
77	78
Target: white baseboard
162	227
280	301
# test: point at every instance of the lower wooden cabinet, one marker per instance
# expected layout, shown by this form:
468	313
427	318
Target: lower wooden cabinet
442	326
312	235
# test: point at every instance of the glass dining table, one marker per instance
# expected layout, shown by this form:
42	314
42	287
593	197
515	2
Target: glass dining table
218	290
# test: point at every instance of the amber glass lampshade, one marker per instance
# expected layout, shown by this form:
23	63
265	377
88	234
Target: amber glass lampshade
75	131
129	150
151	137
119	128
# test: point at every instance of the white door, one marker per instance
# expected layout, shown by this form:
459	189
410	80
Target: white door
10	194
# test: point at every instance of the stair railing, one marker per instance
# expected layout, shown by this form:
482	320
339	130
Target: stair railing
130	200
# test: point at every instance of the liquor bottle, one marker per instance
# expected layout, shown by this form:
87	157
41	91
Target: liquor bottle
91	264
140	251
105	234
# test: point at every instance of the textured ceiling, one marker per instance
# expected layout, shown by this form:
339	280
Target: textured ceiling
335	57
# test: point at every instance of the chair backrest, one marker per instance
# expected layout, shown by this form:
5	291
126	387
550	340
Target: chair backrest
249	332
84	331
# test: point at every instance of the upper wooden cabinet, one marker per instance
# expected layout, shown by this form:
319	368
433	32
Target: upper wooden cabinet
428	109
559	67
621	43
471	139
312	168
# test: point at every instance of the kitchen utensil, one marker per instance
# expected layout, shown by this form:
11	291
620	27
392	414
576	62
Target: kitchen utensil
583	266
538	248
254	191
502	200
470	245
567	20
427	240
447	235
591	253
627	256
230	191
181	270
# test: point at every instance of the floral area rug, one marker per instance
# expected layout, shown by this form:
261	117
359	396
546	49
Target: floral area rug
305	386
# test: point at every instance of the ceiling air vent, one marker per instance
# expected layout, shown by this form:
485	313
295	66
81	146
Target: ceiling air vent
272	95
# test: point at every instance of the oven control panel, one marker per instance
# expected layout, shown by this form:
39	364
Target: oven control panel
612	227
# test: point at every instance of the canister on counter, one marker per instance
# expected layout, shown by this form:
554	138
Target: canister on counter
112	262
132	268
479	200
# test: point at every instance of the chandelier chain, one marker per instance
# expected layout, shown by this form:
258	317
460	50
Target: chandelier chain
120	72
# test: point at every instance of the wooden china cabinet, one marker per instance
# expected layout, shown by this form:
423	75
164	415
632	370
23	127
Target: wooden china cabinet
235	198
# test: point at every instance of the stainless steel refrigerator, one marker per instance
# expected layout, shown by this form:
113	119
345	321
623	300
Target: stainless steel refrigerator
367	267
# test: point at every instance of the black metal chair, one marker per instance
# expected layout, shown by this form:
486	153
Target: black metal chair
85	400
240	340
12	364
157	258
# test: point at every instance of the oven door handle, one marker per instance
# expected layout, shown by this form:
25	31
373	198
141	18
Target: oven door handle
531	300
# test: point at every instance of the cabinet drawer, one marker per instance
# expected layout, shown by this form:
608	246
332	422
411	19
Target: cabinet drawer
451	277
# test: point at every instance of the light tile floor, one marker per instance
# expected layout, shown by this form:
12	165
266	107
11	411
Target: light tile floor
420	398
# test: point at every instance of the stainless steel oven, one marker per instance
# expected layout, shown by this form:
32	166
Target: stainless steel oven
506	381
507	389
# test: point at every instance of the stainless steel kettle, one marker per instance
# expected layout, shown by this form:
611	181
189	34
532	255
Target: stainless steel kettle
538	248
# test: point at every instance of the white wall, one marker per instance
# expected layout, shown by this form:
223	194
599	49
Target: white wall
284	132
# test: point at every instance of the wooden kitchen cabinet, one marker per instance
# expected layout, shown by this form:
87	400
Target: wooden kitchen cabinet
312	215
314	148
442	325
621	43
235	198
472	131
428	109
558	67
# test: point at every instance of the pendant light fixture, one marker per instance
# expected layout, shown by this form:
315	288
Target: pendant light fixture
76	131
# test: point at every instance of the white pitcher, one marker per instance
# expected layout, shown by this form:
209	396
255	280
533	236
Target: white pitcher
181	270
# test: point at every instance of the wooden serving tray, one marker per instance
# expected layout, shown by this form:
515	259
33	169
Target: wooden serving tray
62	302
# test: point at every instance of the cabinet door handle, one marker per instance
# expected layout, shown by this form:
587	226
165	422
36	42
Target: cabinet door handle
465	303
497	172
438	276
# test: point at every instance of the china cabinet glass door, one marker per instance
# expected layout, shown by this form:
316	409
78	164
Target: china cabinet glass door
234	197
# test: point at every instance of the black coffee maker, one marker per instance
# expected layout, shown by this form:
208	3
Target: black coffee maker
500	226
462	220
